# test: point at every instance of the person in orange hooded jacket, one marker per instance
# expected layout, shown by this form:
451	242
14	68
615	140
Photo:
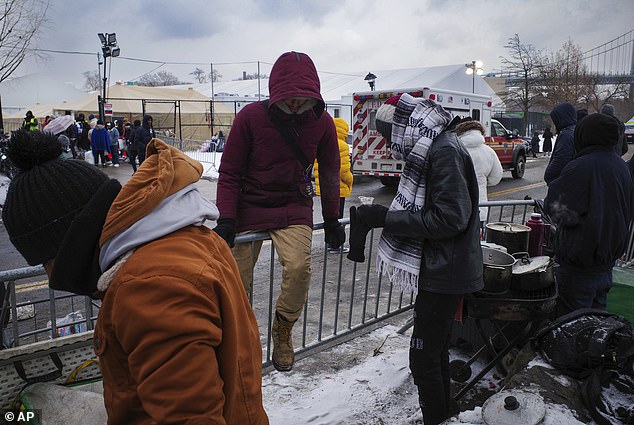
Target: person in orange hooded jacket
177	340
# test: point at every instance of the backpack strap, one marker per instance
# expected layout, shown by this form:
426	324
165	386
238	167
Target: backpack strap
307	167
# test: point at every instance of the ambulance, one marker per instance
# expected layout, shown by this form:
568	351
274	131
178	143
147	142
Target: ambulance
371	154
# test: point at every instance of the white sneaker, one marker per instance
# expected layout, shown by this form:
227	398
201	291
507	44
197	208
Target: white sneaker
116	165
340	250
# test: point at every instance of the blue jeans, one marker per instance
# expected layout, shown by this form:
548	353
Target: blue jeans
581	289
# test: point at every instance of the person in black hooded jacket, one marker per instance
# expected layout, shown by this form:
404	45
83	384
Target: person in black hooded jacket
621	147
591	202
142	136
564	117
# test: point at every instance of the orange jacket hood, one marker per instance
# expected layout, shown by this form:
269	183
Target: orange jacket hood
167	171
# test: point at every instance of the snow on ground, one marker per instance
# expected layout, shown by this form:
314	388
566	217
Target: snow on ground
4	186
374	390
347	385
209	160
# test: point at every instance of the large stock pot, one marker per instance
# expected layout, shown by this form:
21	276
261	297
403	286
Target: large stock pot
513	236
497	271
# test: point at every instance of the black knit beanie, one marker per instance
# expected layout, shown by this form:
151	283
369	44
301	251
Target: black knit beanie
46	194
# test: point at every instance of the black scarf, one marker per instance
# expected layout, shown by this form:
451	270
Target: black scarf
76	267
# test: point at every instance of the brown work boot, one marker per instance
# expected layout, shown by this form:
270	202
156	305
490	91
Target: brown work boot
283	355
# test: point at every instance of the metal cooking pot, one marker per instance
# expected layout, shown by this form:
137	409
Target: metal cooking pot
498	270
533	273
513	236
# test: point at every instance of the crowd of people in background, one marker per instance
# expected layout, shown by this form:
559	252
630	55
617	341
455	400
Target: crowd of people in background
109	143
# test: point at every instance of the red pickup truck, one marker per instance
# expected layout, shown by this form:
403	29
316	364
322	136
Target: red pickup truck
510	150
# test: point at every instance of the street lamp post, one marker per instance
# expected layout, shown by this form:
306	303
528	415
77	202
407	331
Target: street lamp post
370	78
110	50
473	68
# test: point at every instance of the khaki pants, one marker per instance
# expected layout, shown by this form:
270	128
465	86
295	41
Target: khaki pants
292	244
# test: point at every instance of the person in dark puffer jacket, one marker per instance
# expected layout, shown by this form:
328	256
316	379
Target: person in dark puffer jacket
142	136
564	117
592	203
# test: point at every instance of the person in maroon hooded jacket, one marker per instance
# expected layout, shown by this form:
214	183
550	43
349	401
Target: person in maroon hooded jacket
264	185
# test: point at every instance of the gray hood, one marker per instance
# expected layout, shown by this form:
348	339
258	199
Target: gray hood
183	208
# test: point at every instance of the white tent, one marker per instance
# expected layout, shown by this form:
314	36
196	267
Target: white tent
186	109
35	89
127	100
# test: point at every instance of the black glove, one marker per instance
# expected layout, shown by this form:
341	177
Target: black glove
358	233
226	228
372	215
335	234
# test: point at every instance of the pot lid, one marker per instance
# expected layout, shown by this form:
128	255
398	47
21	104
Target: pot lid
493	246
508	227
532	264
513	407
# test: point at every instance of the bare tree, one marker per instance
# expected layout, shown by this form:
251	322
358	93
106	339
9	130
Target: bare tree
600	94
215	76
199	75
161	78
91	80
20	20
253	76
523	66
565	77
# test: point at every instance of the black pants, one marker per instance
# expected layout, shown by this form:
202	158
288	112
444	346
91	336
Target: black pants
100	155
73	147
132	155
141	153
429	353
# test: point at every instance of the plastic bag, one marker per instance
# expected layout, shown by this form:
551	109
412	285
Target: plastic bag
71	328
89	158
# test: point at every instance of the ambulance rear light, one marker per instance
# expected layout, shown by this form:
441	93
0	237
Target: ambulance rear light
489	103
432	97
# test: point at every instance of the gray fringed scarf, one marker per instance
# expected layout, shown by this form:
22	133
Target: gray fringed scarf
416	124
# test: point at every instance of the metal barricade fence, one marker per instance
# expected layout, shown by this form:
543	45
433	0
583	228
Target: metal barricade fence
202	151
344	298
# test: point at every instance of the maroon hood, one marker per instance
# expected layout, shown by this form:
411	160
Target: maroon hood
294	75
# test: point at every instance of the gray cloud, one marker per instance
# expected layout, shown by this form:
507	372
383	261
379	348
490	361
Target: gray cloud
311	11
345	36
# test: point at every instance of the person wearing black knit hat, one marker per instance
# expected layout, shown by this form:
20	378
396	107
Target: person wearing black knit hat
45	198
158	321
591	203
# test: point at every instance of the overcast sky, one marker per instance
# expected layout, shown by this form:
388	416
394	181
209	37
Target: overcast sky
343	36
